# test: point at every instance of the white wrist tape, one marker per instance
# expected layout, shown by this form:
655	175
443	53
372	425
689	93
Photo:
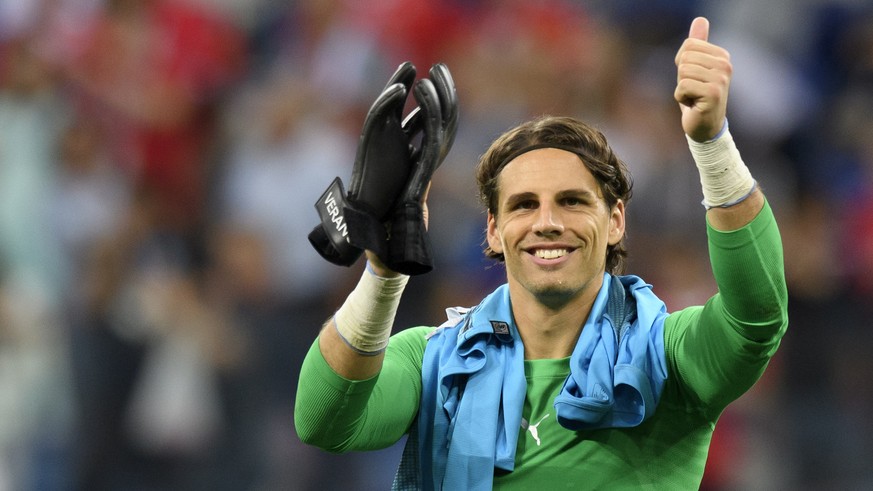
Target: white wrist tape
364	321
724	176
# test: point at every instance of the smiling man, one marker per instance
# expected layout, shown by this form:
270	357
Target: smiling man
572	375
552	222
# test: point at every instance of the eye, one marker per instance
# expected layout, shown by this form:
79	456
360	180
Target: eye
527	204
572	201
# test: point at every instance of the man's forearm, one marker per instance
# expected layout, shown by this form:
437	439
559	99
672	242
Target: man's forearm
736	216
730	193
345	361
354	339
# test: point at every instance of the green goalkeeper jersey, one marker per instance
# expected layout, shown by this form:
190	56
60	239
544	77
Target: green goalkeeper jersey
714	354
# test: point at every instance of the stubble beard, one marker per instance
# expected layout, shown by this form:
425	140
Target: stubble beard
554	294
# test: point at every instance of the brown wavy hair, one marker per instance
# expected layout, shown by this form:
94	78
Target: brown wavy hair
569	134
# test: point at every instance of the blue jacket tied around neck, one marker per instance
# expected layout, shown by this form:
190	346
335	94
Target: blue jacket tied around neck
473	384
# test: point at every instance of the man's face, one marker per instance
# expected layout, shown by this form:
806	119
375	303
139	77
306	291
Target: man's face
553	226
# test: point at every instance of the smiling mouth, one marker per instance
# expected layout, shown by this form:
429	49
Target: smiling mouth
550	253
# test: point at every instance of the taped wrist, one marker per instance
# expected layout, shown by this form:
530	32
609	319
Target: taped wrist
364	320
724	176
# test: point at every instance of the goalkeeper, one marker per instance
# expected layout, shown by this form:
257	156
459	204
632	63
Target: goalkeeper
571	375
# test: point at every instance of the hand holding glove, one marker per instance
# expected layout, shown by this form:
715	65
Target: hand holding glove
395	161
352	222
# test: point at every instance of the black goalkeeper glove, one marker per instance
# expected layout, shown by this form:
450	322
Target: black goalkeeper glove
353	222
393	167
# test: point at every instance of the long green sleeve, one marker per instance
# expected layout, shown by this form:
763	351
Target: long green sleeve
338	415
718	351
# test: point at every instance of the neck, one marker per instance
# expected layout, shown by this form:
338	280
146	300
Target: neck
550	330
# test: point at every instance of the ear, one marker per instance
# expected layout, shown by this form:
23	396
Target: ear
616	223
493	237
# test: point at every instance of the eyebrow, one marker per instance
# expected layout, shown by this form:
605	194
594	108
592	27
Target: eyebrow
578	193
583	194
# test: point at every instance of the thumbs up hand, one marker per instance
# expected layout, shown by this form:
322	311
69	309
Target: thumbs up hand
702	82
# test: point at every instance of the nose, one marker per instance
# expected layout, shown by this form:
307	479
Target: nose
548	220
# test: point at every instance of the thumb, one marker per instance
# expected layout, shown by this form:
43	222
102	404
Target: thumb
699	29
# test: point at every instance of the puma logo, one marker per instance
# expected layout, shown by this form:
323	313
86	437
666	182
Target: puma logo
532	428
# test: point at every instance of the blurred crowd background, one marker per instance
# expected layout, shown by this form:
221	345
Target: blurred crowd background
159	162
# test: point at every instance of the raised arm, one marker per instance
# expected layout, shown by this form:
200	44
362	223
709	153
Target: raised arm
353	340
340	403
720	350
704	73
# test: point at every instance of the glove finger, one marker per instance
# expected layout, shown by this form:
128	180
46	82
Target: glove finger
392	99
405	74
430	122
381	138
448	96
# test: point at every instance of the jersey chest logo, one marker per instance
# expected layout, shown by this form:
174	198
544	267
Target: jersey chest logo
533	428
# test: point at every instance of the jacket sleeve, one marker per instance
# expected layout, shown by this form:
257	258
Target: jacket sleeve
718	351
339	415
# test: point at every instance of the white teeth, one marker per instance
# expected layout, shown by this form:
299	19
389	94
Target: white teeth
550	253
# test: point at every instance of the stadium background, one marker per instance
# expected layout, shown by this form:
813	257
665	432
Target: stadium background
159	160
